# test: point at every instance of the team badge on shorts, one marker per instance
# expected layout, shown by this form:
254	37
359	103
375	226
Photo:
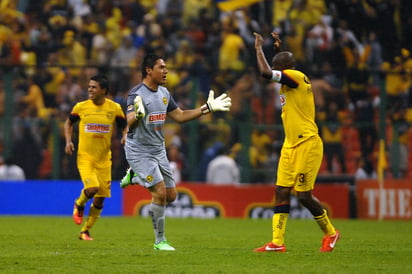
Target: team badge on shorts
149	178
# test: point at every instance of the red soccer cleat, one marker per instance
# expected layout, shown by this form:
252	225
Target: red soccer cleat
271	247
328	242
78	214
85	235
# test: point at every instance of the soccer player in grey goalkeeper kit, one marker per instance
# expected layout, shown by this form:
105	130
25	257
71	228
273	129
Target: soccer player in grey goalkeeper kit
148	105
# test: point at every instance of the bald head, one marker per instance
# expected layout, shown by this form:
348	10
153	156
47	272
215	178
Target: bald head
283	60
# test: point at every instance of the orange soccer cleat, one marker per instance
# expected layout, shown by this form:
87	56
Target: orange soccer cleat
85	235
328	242
78	214
271	247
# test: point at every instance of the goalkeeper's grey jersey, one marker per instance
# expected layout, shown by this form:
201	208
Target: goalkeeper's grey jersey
148	135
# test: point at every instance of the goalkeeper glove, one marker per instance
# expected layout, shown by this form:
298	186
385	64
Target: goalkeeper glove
139	108
221	103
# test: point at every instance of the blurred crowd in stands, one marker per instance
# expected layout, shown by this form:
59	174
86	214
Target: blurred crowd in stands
353	50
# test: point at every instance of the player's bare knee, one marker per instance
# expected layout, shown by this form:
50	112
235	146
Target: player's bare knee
171	194
90	192
310	202
305	198
305	201
283	194
98	202
171	198
159	196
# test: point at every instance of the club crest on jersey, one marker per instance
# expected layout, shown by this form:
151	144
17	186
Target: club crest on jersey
109	115
164	99
282	99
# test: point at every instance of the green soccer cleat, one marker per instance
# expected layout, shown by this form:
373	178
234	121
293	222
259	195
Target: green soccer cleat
164	245
127	179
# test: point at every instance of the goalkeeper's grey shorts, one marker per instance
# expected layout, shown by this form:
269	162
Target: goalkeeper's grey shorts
150	168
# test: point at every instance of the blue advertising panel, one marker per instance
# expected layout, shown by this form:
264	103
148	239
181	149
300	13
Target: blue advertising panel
45	197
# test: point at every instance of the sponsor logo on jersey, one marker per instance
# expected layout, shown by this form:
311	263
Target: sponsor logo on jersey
157	117
97	128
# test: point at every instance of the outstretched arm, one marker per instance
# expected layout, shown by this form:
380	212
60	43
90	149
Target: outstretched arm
221	103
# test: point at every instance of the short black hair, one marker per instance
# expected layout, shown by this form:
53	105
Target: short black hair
148	62
102	80
283	60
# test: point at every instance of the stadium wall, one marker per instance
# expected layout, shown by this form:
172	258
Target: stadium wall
45	197
235	201
195	200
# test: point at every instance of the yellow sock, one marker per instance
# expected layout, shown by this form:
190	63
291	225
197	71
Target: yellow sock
325	224
279	227
94	214
82	200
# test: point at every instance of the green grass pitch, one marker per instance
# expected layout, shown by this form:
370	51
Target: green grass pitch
30	244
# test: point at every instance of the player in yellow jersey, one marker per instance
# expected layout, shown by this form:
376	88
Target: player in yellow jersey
97	117
302	150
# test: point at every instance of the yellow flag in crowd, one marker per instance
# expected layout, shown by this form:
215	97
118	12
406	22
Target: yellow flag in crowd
229	5
382	164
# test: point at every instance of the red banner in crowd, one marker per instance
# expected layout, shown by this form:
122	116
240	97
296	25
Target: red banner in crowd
393	201
244	201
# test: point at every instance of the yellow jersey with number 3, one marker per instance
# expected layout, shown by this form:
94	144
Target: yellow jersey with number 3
298	109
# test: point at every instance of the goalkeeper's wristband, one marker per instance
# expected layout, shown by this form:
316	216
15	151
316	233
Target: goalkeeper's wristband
205	109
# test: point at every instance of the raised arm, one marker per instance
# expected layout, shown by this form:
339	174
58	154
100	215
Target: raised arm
264	68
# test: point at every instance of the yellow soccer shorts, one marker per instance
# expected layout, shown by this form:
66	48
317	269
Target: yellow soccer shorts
93	176
299	166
